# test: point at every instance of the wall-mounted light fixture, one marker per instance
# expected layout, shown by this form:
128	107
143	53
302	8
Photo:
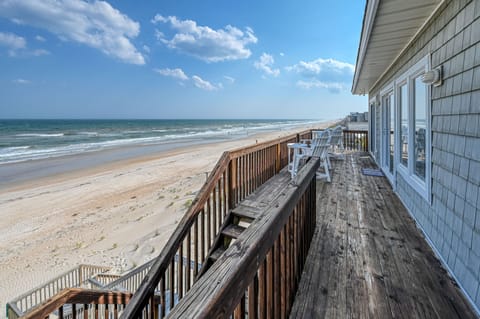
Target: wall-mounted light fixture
434	76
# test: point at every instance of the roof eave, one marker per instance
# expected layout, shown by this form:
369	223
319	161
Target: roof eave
369	15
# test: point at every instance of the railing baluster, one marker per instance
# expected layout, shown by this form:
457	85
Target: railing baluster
162	296
196	243
188	270
253	298
276	279
180	271
171	280
208	211
269	280
202	236
262	290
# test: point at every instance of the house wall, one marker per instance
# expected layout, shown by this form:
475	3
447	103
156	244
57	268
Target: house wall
451	221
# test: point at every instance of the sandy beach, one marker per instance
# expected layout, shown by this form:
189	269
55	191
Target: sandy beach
118	214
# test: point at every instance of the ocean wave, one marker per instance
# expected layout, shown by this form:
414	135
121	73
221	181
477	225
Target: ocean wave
7	150
40	135
88	133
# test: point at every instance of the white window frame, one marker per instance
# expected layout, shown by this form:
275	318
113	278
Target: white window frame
388	89
408	173
372	108
398	136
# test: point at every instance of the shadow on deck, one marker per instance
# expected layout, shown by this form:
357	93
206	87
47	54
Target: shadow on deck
367	258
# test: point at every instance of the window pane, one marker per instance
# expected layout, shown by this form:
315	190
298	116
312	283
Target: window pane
420	127
403	125
391	111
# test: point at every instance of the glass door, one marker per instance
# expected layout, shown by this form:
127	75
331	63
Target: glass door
388	135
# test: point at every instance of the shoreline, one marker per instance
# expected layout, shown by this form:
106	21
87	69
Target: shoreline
118	214
14	175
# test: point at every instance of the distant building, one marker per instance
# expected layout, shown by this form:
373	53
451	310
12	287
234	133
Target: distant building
358	117
419	63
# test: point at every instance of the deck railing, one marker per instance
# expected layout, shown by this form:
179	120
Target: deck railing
258	276
236	175
163	282
355	140
72	278
75	303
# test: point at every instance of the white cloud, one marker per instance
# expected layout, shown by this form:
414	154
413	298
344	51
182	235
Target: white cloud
40	38
229	79
203	84
21	81
265	64
329	74
146	48
158	18
205	43
327	67
12	42
96	24
40	52
333	87
174	73
282	54
159	35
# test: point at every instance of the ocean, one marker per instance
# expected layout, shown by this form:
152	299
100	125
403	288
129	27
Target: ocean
33	149
30	140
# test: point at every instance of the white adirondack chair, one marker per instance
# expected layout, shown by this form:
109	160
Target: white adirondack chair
336	144
318	147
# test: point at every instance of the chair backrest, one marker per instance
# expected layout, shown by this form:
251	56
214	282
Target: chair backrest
337	135
320	146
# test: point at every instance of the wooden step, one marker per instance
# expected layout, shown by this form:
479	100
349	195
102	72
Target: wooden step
246	211
217	253
233	231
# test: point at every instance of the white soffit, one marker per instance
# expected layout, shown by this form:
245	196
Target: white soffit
388	27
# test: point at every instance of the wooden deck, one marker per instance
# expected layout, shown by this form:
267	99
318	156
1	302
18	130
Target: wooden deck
368	259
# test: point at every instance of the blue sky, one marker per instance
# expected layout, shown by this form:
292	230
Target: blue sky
178	59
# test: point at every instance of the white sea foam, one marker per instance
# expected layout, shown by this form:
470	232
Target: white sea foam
41	135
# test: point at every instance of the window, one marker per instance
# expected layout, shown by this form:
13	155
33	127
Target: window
413	129
420	107
391	130
403	105
372	130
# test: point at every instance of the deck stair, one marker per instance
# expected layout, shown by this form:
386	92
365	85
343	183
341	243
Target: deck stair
240	218
235	224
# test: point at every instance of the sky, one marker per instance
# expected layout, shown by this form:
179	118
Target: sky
179	59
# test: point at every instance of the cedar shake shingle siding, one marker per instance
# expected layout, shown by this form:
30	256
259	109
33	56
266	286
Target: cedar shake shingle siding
452	220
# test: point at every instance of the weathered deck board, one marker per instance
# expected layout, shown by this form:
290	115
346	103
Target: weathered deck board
368	259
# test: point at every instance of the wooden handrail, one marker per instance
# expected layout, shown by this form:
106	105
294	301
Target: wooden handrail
220	291
79	296
231	180
69	279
